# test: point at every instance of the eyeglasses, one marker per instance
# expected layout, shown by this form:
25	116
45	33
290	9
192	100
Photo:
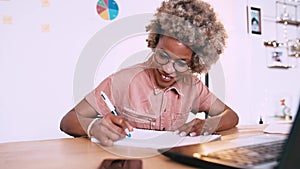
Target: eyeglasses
163	58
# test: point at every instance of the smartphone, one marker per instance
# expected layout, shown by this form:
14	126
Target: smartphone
121	164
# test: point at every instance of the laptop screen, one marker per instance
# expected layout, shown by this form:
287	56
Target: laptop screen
290	157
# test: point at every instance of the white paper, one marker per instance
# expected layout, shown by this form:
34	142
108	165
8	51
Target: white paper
278	128
161	139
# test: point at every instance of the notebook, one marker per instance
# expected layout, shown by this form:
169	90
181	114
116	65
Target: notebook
278	151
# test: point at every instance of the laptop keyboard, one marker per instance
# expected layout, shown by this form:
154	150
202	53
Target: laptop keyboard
250	155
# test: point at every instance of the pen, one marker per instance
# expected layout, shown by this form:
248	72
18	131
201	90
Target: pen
112	109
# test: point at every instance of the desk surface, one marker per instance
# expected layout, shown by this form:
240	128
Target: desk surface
81	153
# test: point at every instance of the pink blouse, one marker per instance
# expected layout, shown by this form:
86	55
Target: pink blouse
136	97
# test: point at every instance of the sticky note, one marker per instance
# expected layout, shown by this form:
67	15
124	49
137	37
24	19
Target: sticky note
45	3
45	27
7	19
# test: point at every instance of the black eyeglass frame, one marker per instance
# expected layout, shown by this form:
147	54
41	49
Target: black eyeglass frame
176	62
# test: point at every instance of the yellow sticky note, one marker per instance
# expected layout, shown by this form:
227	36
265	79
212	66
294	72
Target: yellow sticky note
7	19
45	3
45	27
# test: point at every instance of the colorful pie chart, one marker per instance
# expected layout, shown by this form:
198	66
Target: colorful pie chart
107	9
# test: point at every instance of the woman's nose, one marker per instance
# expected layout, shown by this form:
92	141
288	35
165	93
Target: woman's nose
169	67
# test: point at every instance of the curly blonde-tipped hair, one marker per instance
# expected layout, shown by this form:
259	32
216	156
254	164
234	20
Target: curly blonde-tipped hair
194	23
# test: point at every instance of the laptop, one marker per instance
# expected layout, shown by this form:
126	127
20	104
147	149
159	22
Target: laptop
267	151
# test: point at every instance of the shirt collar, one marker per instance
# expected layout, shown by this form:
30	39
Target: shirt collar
176	87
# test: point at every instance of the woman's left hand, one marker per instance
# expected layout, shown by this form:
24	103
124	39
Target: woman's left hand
198	127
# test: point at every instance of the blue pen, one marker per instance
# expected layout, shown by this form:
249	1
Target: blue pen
112	109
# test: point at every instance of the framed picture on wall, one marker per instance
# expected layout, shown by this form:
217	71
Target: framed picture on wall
254	20
278	58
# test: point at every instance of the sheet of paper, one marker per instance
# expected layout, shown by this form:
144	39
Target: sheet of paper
161	139
278	128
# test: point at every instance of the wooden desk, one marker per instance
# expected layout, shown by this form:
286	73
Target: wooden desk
80	153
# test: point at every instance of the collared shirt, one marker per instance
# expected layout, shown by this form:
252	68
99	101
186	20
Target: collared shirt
137	98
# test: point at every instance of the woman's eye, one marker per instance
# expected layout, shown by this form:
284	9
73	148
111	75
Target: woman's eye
164	56
181	63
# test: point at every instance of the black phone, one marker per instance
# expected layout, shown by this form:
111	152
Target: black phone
121	164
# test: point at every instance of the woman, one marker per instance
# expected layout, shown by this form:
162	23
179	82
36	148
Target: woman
186	39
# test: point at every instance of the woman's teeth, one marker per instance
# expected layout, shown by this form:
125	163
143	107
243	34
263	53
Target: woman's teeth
166	77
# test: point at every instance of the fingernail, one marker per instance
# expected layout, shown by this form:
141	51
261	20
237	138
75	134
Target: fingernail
192	134
182	134
176	131
127	132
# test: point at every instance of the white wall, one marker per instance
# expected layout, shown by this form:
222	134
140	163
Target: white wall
39	70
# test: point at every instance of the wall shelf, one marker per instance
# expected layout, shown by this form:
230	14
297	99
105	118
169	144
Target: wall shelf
297	55
289	22
282	51
279	66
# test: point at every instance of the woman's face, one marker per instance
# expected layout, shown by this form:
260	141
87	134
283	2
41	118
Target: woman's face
179	54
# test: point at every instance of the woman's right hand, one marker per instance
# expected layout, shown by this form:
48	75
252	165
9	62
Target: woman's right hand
110	128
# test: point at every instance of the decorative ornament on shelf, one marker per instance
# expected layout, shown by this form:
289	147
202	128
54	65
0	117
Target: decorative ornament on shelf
294	48
286	111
